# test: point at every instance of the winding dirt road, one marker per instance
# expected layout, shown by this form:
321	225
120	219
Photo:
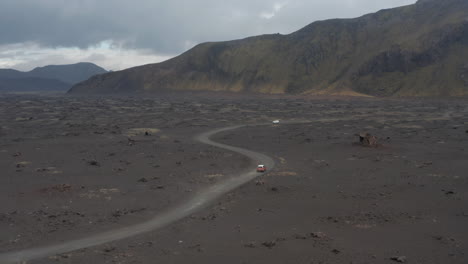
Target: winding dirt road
199	201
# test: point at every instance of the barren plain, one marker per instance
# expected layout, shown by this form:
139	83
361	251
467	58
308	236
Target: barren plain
72	167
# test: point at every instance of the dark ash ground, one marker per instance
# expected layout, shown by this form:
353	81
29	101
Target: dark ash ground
76	166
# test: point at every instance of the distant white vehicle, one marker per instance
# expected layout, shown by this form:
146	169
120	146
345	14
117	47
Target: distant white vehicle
276	122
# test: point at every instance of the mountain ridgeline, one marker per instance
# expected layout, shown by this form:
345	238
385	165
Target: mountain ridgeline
415	50
48	78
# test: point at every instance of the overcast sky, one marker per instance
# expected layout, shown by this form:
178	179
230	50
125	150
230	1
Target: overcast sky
118	34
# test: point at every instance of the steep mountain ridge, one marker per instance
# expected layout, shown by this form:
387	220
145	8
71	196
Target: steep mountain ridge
414	50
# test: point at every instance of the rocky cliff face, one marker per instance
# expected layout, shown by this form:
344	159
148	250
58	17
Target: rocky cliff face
416	50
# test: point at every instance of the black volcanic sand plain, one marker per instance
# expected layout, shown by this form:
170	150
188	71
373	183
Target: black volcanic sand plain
75	166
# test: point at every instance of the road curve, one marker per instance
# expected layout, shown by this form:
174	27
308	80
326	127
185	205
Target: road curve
197	202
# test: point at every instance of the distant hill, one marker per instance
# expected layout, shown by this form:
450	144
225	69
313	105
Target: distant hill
33	84
415	50
73	73
48	78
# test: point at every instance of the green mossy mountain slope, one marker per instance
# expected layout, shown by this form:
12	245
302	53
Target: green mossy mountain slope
415	50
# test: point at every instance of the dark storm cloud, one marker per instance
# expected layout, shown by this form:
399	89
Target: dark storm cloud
164	26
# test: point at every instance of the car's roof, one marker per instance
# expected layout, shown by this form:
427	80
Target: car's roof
261	165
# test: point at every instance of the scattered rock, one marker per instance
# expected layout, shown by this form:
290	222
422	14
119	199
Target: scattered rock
336	251
269	244
274	189
367	140
285	173
299	236
71	134
148	244
196	247
125	162
259	182
109	191
130	142
63	256
425	164
252	244
321	163
24	119
317	235
399	259
22	164
94	163
449	192
61	187
109	249
119	213
141	131
7	217
211	216
143	180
